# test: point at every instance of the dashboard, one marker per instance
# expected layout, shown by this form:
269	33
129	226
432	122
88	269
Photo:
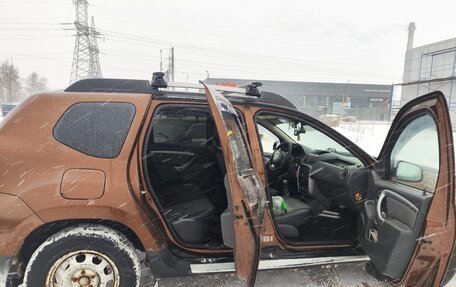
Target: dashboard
340	178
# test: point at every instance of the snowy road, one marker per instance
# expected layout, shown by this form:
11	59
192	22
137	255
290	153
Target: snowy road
347	275
328	276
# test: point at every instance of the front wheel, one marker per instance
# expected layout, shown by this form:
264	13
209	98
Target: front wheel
85	255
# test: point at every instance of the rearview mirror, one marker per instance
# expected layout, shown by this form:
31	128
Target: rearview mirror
299	129
407	171
275	145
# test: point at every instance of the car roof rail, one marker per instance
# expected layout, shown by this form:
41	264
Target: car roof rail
144	87
249	89
199	86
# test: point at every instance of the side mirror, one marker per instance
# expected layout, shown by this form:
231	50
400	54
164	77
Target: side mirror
407	171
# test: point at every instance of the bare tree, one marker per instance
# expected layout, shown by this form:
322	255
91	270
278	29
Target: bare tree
35	84
10	85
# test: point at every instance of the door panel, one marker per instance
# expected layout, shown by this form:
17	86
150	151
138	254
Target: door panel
396	218
246	193
397	208
408	222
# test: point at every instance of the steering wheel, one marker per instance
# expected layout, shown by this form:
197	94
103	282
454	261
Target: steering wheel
280	157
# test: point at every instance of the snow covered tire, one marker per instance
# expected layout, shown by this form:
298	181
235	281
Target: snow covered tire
84	255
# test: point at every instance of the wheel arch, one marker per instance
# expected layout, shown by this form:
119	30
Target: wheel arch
39	235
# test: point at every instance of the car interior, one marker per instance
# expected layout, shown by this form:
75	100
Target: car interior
340	201
314	176
186	170
318	191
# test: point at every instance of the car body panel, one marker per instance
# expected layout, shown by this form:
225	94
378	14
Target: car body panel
44	160
16	222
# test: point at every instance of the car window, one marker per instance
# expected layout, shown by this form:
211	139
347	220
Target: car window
181	125
96	129
414	160
267	139
312	137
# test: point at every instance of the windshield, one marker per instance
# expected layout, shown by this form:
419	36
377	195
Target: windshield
309	136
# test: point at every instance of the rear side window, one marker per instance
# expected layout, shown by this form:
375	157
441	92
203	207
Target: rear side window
96	129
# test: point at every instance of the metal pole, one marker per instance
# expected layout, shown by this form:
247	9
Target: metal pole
391	101
172	64
451	85
430	73
161	60
419	76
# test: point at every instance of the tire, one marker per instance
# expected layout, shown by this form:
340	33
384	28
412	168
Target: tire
84	255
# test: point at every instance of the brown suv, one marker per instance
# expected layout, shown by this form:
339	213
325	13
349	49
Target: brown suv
113	177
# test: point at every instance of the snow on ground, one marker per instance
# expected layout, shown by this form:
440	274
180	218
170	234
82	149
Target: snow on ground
368	135
342	275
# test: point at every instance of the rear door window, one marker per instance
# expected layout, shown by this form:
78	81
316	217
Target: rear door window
182	125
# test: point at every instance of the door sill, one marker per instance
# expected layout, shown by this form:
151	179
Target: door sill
277	263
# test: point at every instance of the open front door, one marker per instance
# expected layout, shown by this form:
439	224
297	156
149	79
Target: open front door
246	194
409	220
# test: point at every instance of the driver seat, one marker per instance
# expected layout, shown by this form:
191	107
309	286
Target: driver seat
298	213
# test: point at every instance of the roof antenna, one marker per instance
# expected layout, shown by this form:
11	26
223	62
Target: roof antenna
158	81
252	89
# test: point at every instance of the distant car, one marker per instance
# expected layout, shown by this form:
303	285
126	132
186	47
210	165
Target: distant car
6	108
114	177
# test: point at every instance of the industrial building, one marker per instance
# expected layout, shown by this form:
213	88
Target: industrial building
428	68
353	101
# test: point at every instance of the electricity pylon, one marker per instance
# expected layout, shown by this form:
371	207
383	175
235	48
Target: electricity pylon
86	63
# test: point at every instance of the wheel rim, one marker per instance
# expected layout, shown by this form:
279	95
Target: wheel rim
83	268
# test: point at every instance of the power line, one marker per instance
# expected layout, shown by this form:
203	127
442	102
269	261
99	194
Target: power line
246	57
53	59
284	67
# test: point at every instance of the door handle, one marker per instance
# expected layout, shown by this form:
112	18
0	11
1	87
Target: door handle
373	235
379	207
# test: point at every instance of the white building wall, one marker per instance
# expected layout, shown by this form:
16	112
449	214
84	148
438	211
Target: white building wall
431	62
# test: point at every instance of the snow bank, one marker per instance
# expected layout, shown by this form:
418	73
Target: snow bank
370	136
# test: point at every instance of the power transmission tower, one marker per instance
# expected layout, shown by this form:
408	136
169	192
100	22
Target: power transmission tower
86	62
96	69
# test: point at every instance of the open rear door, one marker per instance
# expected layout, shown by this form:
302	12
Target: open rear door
247	197
409	219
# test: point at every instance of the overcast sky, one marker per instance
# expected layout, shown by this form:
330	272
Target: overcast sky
336	41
